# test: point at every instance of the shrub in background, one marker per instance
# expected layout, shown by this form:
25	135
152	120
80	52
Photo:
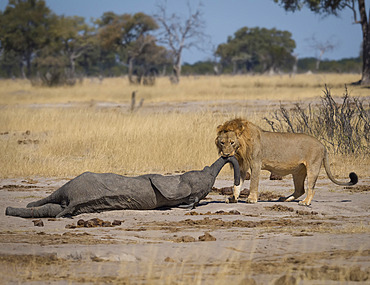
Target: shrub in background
343	127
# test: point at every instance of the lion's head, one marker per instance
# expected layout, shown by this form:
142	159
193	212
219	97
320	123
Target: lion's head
228	137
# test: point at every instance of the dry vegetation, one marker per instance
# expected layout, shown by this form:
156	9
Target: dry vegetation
43	134
64	131
118	90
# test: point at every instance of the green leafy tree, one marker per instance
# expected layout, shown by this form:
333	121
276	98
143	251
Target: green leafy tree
257	49
333	7
128	34
24	29
149	63
9	62
69	39
75	37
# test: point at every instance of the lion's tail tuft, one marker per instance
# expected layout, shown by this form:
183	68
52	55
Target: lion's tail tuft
354	178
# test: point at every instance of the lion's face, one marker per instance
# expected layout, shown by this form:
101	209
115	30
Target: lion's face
227	143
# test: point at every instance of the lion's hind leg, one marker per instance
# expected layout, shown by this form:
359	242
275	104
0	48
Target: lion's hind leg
298	179
312	175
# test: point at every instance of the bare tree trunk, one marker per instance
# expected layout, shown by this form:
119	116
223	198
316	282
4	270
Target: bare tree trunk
177	69
365	25
130	70
235	70
28	64
73	65
21	67
176	73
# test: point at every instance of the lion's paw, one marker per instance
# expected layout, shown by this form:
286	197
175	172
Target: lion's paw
304	203
231	199
251	200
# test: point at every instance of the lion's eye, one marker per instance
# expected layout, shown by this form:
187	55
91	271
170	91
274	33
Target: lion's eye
222	143
232	143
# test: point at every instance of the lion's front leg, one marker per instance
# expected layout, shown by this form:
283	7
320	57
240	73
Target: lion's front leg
237	188
236	193
255	176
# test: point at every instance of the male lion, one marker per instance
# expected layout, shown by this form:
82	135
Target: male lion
280	153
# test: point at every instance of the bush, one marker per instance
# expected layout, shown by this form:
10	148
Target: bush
342	127
54	77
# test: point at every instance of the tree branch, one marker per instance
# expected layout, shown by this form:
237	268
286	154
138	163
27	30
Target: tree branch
352	7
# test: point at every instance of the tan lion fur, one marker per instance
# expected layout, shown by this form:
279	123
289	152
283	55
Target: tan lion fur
280	153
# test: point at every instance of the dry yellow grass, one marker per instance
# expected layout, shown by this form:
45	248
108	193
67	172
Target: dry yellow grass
64	142
205	88
67	142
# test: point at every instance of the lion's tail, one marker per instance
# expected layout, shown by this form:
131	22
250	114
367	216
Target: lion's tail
353	176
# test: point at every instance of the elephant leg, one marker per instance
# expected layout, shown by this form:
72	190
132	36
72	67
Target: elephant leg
45	211
298	179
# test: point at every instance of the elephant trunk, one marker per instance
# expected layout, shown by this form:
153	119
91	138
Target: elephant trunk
219	163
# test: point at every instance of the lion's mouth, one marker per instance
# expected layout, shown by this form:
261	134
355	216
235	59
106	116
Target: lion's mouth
227	154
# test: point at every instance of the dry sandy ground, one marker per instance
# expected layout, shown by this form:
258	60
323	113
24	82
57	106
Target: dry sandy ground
217	243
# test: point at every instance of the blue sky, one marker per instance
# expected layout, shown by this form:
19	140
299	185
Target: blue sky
224	17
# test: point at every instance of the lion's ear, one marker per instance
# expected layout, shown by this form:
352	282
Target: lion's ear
219	128
216	142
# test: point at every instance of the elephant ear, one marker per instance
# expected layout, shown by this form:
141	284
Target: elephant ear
171	187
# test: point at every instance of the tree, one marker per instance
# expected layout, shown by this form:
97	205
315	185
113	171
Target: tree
149	62
69	39
180	34
75	37
322	47
128	34
257	49
24	29
333	7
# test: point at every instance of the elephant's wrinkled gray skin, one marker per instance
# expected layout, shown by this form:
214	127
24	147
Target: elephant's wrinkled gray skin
93	192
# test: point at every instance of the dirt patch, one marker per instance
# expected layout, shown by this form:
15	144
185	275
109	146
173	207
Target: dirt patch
229	191
207	237
38	223
306	213
184	239
42	238
337	273
269	196
28	141
13	187
282	208
262	196
44	259
308	267
93	223
357	188
279	208
217	223
221	212
264	242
